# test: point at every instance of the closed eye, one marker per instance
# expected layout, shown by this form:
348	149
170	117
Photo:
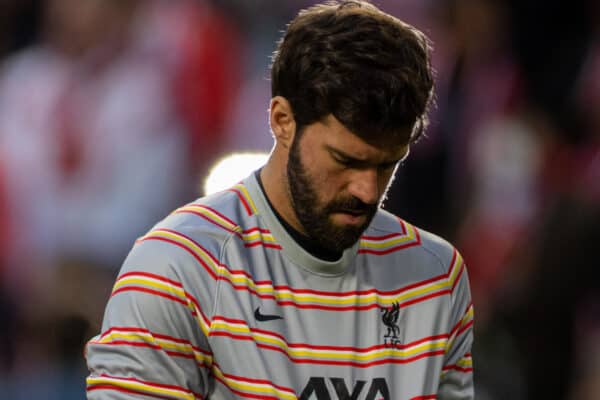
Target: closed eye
346	162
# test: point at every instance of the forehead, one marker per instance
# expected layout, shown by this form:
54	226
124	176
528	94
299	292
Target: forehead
333	135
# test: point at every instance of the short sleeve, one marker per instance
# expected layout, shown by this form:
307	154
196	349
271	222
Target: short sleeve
153	342
456	382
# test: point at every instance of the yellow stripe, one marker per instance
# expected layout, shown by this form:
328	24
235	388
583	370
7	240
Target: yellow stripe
177	292
139	386
375	244
350	300
246	195
388	243
163	343
469	314
465	362
456	267
332	354
211	215
180	239
129	280
265	237
240	279
254	388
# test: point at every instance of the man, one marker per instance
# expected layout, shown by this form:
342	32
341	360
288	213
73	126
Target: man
293	283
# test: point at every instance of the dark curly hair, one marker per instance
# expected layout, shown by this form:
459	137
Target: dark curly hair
367	68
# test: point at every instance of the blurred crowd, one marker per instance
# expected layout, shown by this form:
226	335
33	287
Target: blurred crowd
113	111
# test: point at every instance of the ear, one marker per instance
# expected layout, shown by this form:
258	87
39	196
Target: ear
281	119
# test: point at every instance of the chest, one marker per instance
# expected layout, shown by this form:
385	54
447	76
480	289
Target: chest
358	335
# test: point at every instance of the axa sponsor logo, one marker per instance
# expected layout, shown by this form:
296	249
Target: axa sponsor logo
320	388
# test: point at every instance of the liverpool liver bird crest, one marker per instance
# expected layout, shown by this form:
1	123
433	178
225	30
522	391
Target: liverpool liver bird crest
390	319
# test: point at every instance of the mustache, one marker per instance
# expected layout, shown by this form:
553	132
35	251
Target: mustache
352	205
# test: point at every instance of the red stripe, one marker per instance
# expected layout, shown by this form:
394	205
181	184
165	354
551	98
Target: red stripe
243	394
284	303
261	230
387	251
155	384
417	242
257	381
149	275
452	261
218	213
455	328
208	253
191	240
334	308
206	267
328	362
258	243
153	347
389	235
464	328
156	335
187	295
238	234
305	306
403	224
162	294
426	397
320	347
207	219
457	368
148	345
279	287
150	291
383	237
338	308
460	272
158	277
129	391
285	287
129	343
241	196
360	292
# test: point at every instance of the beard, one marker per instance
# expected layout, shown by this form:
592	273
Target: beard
315	217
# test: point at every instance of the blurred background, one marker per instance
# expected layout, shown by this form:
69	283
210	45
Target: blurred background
113	111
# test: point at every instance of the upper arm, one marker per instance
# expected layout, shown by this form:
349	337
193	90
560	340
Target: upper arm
154	334
457	374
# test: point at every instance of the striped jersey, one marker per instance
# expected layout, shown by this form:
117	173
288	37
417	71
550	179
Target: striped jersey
218	302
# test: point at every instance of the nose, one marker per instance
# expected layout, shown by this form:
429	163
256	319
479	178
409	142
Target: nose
365	186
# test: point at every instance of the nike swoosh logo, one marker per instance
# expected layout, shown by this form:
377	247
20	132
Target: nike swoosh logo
263	317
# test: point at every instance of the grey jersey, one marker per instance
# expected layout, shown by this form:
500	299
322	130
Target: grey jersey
219	302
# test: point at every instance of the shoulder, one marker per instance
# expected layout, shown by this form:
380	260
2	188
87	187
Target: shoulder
196	232
391	235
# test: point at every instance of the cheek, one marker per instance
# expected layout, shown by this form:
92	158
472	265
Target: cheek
318	169
325	177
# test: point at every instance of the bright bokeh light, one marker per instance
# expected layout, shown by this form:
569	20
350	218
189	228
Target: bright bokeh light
231	169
